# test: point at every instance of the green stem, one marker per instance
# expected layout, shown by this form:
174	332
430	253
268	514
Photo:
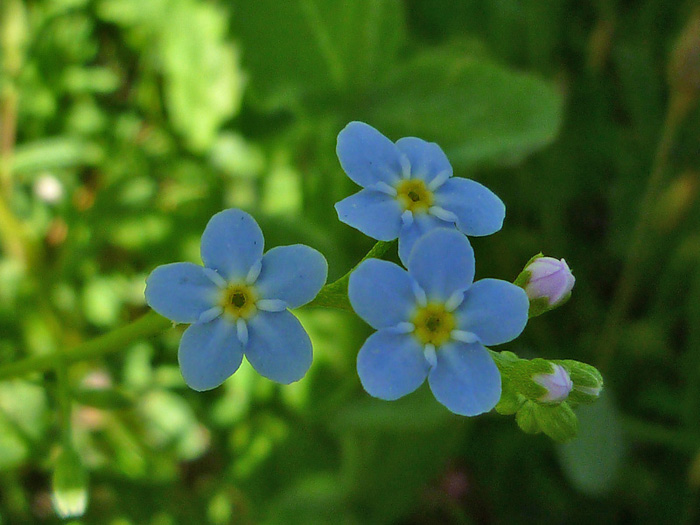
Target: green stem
15	238
629	277
335	294
65	400
12	234
146	326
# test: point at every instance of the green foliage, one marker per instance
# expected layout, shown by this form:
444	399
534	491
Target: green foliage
477	110
593	460
149	117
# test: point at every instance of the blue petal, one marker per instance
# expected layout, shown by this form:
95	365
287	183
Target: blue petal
374	213
494	310
479	211
278	346
381	293
442	262
465	379
391	365
422	224
293	274
180	291
232	243
427	158
209	353
367	156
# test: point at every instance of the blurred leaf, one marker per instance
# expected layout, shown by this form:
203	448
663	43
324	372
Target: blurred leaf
22	420
476	110
102	300
90	80
282	191
593	460
415	412
203	83
202	80
53	153
392	450
316	46
170	422
317	499
235	156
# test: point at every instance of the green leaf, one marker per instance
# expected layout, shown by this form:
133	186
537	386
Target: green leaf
22	420
202	80
203	84
593	460
170	422
557	421
53	153
479	112
315	47
316	499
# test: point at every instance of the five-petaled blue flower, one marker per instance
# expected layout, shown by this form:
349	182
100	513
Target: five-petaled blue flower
433	321
238	303
408	190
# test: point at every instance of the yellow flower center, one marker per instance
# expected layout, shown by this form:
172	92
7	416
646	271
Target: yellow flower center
433	324
413	195
238	300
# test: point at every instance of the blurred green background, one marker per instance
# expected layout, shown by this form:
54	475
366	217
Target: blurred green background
126	124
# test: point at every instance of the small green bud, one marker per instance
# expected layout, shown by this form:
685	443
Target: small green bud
588	383
70	485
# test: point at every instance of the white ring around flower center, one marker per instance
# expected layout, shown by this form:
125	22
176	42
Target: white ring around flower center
464	337
430	355
254	272
271	305
242	331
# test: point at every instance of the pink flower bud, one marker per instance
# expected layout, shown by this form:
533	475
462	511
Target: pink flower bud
549	278
558	384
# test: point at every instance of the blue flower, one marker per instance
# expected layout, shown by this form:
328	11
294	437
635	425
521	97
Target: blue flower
408	190
238	303
433	321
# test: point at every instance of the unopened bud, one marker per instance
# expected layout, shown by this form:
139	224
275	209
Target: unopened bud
588	383
558	384
70	480
548	283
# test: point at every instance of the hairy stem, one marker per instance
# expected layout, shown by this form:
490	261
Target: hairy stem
148	325
335	294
